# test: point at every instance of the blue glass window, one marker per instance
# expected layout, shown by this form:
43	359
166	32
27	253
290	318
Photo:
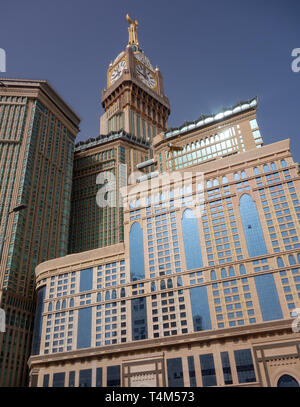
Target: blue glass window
84	328
242	269
200	308
244	366
136	247
113	376
175	373
208	370
252	227
86	280
85	378
72	379
191	240
292	260
46	380
280	262
226	368
283	164
99	377
139	319
287	381
268	297
231	272
38	322
192	373
59	379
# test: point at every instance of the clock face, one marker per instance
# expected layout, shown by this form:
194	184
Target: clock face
146	76
143	59
117	71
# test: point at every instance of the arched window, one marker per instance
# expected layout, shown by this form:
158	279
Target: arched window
107	296
191	240
287	381
162	285
256	171
208	184
292	260
114	294
266	168
179	281
50	306
223	273
280	262
231	272
71	304
57	305
273	167
123	293
252	228
215	182
236	176
213	275
242	269
64	304
99	297
283	163
224	180
243	174
169	283
153	286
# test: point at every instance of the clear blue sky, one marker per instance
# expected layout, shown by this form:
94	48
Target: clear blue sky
212	53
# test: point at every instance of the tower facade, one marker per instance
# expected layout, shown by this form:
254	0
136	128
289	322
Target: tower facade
37	133
136	110
134	99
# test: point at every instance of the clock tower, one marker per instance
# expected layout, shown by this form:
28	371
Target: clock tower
134	99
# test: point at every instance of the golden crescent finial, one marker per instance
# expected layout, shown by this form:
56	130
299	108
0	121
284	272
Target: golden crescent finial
132	29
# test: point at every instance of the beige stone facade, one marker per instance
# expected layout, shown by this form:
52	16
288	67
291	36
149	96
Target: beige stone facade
243	325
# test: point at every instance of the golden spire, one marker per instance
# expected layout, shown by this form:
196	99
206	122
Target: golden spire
132	29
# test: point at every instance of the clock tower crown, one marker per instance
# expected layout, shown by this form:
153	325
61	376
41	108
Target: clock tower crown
134	99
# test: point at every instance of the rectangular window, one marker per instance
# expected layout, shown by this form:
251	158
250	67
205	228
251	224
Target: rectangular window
268	297
46	380
208	370
86	280
72	379
59	379
84	328
200	308
139	318
175	373
85	378
226	368
192	371
244	366
99	377
113	376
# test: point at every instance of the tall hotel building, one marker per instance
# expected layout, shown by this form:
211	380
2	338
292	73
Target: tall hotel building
200	286
37	132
